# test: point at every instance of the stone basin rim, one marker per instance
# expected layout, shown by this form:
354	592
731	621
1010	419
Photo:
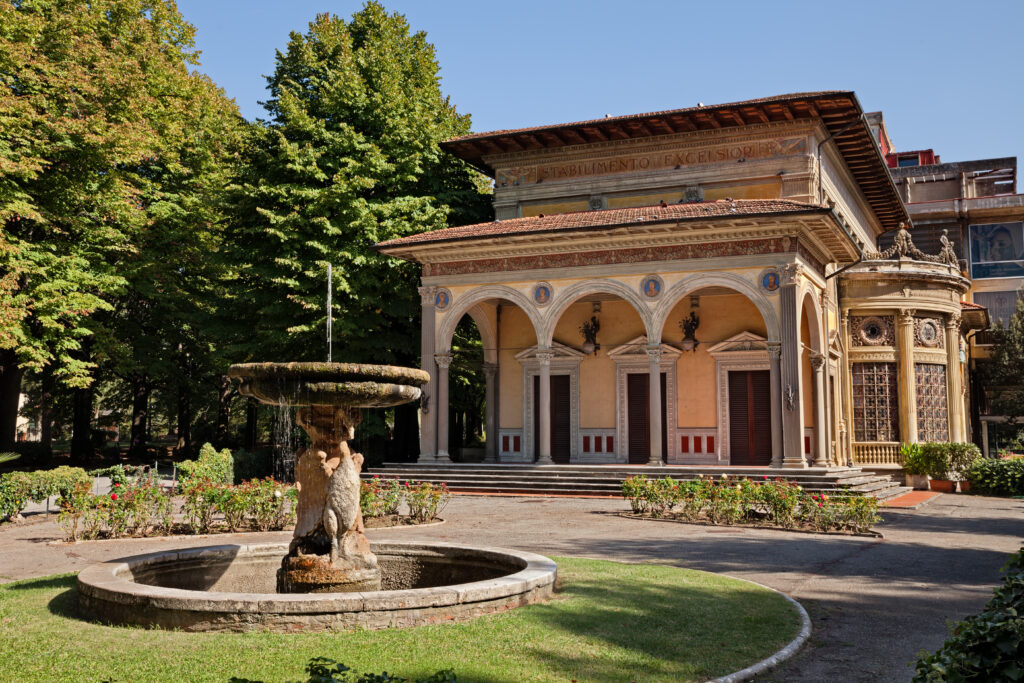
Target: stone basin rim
107	579
329	372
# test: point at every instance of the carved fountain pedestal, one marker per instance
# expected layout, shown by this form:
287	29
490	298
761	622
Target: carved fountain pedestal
329	552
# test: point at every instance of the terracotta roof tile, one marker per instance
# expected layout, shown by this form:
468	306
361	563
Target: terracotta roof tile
968	305
584	220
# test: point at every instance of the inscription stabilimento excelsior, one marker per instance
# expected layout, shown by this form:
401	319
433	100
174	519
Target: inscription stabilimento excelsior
651	161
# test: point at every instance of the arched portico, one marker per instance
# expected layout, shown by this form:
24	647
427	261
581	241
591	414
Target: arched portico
813	362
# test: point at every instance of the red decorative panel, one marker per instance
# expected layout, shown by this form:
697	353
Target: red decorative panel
686	444
597	444
609	442
696	445
807	445
504	444
517	445
709	443
586	444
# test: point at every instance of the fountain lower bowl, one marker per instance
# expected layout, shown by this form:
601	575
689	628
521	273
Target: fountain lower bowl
230	588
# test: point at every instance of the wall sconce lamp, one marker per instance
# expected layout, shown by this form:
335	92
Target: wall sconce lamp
689	328
589	330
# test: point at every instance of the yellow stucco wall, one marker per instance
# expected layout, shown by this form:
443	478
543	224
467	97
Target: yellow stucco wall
516	334
806	378
761	191
551	209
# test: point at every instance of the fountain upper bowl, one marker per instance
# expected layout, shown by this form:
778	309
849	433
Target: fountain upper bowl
329	384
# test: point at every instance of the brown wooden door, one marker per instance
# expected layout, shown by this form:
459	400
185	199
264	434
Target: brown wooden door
638	400
750	418
561	425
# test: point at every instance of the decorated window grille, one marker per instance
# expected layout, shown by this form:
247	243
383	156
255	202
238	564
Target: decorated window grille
875	402
932	413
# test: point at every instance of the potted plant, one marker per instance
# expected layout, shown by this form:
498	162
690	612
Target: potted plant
936	457
914	465
961	457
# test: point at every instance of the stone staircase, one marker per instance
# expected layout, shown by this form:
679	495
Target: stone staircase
606	480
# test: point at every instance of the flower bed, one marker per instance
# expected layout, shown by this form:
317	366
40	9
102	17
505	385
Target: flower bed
728	501
381	498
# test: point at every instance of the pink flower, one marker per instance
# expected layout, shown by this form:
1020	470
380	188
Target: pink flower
819	504
113	496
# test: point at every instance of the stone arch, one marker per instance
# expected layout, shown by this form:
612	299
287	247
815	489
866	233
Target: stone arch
700	280
470	303
565	298
488	335
810	305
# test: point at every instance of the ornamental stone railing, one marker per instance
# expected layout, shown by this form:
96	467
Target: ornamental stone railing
877	453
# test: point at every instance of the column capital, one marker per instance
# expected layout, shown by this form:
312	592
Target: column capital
443	360
427	295
774	350
791	274
654	354
905	316
817	361
953	321
544	357
490	369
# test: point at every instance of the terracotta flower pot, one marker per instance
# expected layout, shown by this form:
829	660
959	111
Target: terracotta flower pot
942	485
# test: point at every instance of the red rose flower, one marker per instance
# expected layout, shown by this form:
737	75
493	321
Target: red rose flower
113	496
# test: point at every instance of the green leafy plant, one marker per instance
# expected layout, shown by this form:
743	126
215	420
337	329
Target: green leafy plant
210	465
997	477
324	670
912	458
426	500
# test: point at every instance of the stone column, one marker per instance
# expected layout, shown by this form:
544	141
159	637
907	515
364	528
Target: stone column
774	379
846	427
428	412
820	426
954	381
792	401
544	408
656	411
443	360
907	380
490	418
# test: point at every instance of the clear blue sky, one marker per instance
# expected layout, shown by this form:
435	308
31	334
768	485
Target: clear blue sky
947	75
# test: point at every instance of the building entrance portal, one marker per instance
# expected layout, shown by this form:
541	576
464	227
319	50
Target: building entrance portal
638	400
561	425
750	418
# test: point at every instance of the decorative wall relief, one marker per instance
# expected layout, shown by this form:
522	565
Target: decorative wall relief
872	330
928	333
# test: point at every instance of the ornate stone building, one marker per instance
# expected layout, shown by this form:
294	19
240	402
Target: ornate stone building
700	286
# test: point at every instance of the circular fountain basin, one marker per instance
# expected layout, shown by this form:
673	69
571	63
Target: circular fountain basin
329	384
231	588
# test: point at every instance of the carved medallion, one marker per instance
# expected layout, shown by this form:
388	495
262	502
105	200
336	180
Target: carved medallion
442	299
542	294
874	330
651	286
927	332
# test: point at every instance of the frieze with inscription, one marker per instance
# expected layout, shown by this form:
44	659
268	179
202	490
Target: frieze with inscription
653	160
772	245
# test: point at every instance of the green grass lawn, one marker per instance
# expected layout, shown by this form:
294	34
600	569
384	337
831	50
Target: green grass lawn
608	622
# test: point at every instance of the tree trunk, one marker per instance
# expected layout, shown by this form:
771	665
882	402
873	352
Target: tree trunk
250	425
227	394
140	411
10	395
47	386
81	430
184	420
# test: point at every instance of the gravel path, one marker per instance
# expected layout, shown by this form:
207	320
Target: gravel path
874	603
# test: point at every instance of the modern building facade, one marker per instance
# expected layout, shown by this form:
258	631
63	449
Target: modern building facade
701	286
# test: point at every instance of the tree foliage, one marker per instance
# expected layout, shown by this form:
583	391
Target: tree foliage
1003	372
348	157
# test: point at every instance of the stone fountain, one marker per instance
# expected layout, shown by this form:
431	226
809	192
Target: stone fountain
330	578
329	552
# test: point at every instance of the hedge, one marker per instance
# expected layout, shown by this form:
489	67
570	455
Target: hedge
997	477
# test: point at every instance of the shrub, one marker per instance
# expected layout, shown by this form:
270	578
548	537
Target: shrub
425	500
913	459
15	488
634	490
73	510
271	503
215	467
997	477
961	457
116	473
988	646
941	460
202	500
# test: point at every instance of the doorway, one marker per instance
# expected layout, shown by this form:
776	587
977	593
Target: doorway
750	418
561	426
638	416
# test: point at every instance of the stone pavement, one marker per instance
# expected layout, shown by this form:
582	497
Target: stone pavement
874	603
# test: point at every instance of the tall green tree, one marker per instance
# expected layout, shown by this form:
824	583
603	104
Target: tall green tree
1003	376
100	133
348	157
